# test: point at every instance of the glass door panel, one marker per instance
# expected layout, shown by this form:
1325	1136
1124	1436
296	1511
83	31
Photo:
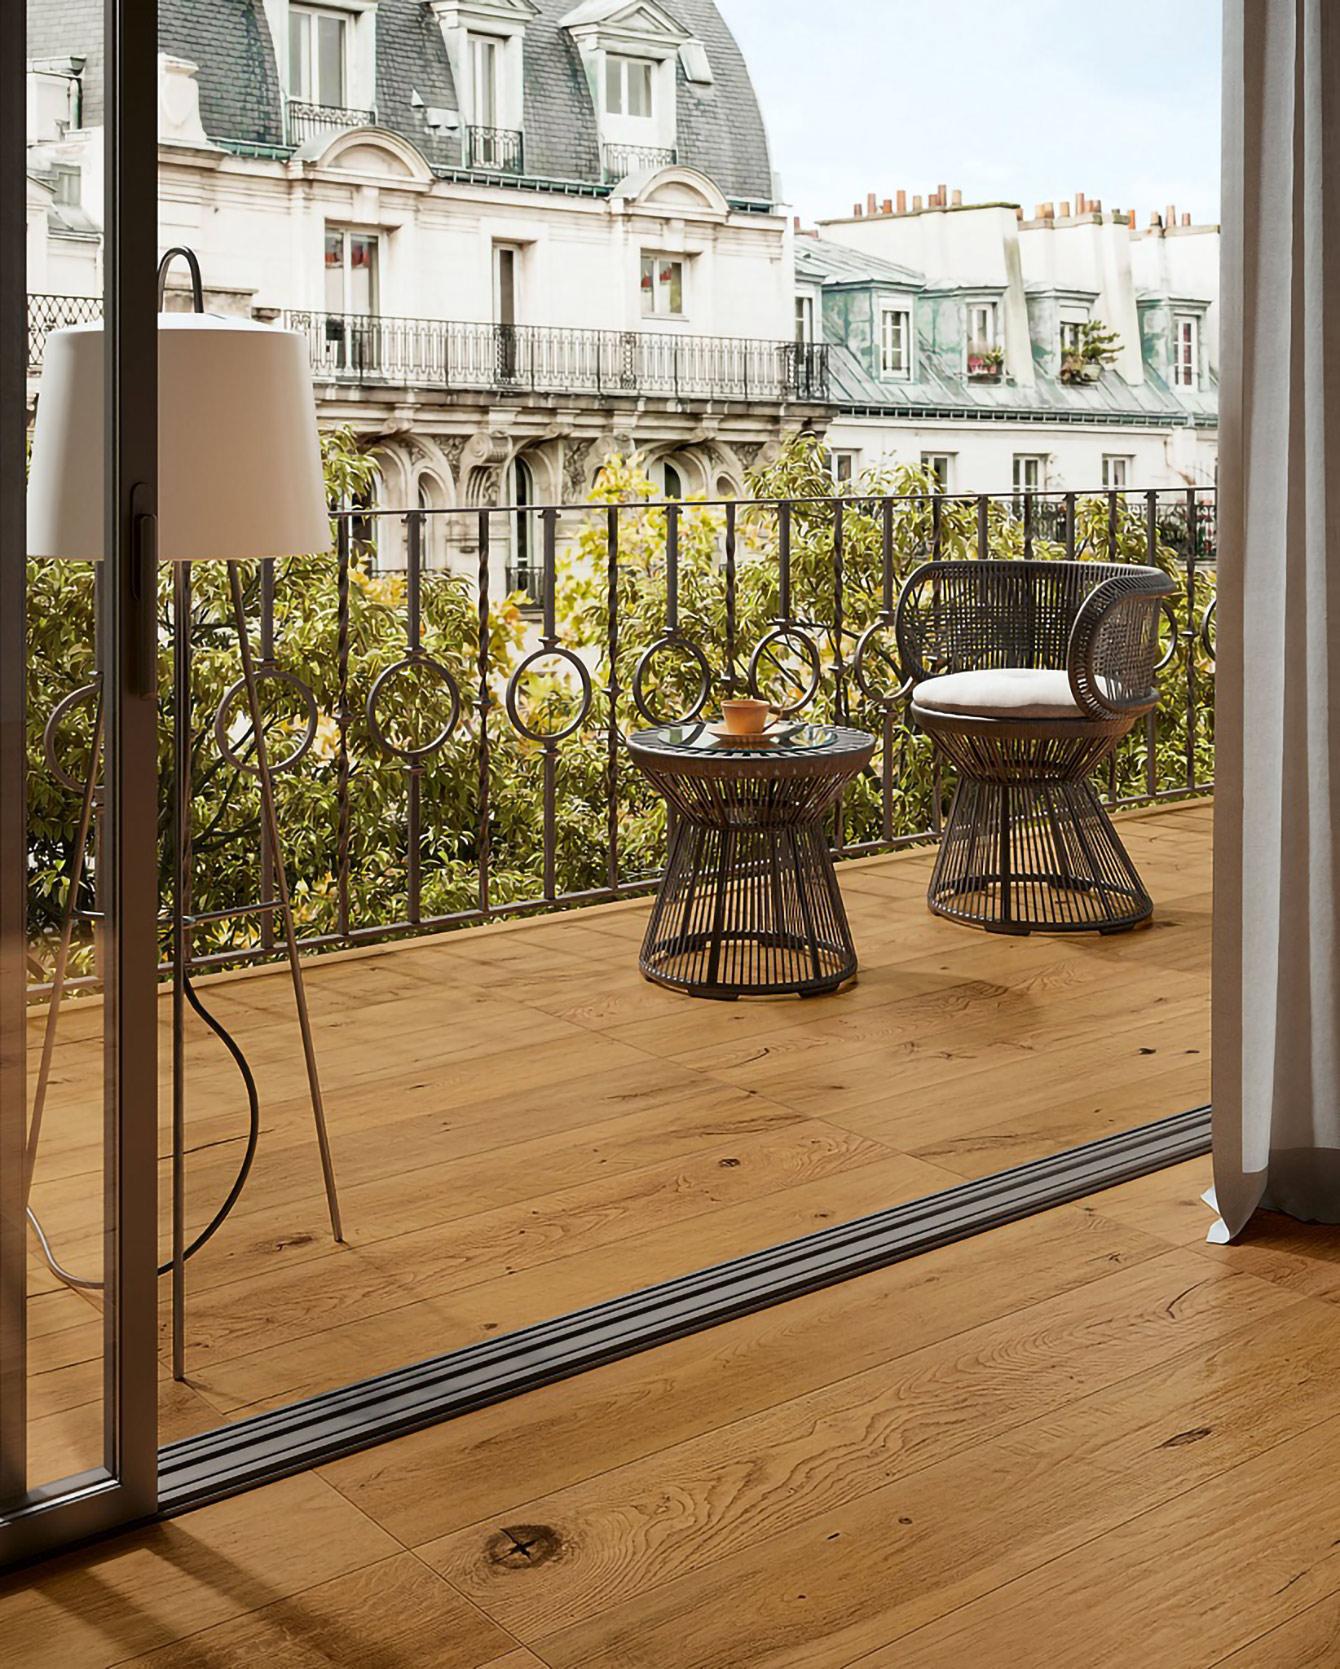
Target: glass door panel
78	860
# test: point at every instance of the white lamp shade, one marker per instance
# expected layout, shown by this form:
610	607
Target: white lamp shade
239	460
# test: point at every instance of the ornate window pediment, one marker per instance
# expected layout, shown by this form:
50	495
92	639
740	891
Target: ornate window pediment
642	25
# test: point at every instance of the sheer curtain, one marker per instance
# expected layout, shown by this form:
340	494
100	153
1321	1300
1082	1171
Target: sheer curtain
1277	944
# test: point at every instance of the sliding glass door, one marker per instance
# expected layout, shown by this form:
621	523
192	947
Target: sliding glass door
78	847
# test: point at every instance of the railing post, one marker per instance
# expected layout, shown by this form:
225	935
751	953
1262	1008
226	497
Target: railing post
612	697
549	641
414	767
482	705
342	716
730	598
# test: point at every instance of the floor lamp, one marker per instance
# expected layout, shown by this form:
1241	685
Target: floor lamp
239	479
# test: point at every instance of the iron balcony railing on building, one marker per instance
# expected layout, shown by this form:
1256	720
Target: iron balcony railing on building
622	160
442	768
303	121
552	359
501	150
47	313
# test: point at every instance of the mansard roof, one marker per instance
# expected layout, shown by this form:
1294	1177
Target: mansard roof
720	127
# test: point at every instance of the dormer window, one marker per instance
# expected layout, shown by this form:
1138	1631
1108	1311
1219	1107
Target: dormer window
895	343
628	86
485	52
318	56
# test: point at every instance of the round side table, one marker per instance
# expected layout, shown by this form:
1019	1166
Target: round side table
749	905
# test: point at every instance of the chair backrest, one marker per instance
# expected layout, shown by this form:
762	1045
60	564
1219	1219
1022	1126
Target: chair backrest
979	615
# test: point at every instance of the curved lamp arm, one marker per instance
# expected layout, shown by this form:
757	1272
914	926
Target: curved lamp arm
193	266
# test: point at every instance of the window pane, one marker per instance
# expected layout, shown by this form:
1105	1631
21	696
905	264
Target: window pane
639	88
362	273
330	49
614	85
648	284
299	63
672	282
486	83
335	272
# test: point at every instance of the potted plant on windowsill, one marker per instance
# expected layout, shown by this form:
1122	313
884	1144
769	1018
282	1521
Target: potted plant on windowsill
986	364
1094	348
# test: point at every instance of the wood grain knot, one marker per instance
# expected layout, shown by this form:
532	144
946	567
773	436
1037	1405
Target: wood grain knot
522	1546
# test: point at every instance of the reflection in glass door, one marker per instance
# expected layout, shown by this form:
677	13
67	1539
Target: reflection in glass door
78	803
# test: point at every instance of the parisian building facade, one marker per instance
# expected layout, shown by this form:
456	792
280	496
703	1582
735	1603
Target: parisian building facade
519	235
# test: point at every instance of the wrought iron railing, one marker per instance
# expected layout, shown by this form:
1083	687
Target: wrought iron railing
47	313
452	762
303	121
552	359
622	160
499	149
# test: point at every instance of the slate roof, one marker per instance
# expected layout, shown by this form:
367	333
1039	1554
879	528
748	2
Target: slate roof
820	262
720	126
941	388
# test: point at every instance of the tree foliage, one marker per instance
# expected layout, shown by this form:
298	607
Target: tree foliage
344	808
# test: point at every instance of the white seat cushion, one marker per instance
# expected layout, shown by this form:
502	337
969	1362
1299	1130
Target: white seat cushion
1007	692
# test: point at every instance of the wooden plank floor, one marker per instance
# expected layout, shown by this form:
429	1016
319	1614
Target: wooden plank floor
1086	1439
521	1125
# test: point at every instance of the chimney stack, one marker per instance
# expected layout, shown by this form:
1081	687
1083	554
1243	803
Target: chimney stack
902	202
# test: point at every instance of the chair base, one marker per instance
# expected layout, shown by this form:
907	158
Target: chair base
1035	857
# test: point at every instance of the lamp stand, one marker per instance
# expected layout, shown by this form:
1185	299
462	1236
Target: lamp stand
183	991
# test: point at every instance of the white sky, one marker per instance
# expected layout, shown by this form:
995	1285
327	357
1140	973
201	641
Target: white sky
1017	100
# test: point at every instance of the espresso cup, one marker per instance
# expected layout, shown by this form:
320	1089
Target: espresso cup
745	716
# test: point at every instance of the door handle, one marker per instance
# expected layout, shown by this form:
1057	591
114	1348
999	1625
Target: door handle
143	636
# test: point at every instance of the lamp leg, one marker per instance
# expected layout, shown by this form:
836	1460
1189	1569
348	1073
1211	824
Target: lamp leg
62	955
282	895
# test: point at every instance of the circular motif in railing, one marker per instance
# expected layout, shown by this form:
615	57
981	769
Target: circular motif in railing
1206	630
871	649
692	655
1174	635
411	751
787	687
566	719
301	724
50	733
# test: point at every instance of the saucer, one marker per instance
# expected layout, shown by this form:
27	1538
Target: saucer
771	733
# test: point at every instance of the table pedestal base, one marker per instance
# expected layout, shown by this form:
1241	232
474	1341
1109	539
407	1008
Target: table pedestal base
749	912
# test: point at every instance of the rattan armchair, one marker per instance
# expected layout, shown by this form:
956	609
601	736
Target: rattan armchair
1027	675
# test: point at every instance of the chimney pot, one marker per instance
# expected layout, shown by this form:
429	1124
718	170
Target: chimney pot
916	205
795	223
957	199
871	203
1186	219
887	206
856	210
1065	210
1170	215
902	202
1156	219
942	192
1081	203
1095	205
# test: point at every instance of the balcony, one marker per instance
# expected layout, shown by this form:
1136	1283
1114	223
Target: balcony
47	313
619	161
303	121
522	1125
362	348
498	150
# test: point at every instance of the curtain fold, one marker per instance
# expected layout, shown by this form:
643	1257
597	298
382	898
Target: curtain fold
1276	1005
